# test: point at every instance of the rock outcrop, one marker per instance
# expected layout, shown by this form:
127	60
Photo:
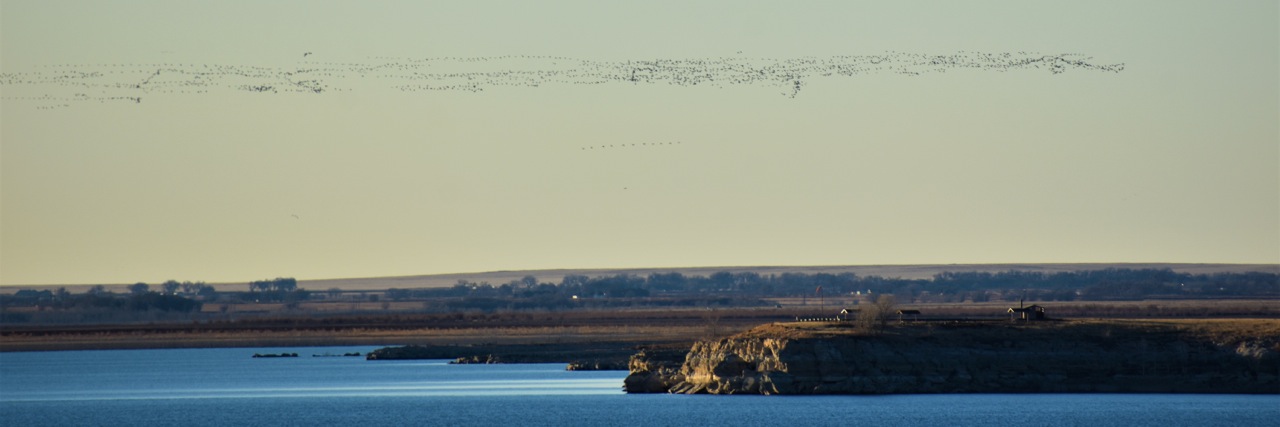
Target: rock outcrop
485	359
654	371
1054	357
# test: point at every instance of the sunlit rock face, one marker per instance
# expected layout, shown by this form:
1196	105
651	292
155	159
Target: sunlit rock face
1060	358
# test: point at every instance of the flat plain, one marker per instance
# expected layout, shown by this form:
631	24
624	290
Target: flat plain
904	271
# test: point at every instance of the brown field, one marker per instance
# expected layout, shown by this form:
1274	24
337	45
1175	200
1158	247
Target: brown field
328	324
637	327
1167	309
923	271
570	335
1229	332
319	307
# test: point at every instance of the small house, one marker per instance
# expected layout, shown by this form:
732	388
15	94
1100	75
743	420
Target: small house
1033	312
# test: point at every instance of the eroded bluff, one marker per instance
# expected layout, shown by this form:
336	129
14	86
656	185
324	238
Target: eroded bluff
1062	358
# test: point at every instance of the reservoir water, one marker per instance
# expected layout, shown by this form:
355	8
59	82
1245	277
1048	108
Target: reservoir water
229	387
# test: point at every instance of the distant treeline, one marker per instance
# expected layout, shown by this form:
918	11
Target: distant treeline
675	290
280	289
1097	285
95	299
172	296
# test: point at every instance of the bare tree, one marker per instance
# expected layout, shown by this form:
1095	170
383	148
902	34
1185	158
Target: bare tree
528	282
138	288
170	287
713	323
873	317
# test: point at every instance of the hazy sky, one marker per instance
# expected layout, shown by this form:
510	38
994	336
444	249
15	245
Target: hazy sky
1176	158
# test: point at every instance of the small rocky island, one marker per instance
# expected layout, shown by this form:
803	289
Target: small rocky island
1209	356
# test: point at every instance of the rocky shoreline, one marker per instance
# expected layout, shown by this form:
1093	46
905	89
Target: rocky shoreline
959	357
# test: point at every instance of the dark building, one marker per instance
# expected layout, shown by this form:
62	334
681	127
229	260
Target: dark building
1033	312
913	314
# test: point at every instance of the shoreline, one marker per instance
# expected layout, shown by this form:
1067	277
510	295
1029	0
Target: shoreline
1046	356
456	337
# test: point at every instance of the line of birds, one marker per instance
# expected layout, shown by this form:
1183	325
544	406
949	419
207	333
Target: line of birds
633	145
129	82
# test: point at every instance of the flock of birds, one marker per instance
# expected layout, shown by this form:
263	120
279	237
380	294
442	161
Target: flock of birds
57	86
633	145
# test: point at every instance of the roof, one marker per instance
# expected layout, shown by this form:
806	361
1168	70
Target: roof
908	311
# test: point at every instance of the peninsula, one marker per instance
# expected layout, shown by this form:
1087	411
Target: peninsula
1080	356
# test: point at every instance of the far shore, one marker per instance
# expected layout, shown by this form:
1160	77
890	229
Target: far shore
904	271
566	336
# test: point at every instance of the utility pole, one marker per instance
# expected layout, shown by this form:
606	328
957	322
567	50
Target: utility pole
822	306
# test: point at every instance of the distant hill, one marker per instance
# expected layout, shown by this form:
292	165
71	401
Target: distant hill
921	271
907	271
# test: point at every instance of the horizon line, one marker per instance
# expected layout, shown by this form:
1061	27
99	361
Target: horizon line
1121	264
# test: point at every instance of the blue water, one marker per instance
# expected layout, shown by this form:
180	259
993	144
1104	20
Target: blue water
228	387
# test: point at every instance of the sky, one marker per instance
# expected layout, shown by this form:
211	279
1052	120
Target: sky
228	141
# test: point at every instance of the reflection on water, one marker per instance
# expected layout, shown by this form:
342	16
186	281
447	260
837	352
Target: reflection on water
232	373
227	387
446	388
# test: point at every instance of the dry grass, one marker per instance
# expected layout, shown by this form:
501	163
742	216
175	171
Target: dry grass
1223	332
1112	309
420	336
638	326
315	306
328	324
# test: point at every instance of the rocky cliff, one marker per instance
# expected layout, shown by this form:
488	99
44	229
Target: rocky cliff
976	357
